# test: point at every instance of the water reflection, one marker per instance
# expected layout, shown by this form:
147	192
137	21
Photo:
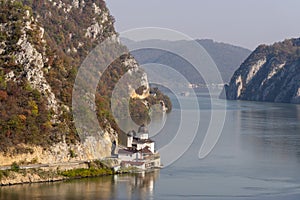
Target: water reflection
137	186
269	141
274	129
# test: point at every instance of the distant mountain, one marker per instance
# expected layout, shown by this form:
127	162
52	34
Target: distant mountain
227	57
270	73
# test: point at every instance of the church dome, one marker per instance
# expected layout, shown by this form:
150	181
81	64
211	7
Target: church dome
143	129
131	133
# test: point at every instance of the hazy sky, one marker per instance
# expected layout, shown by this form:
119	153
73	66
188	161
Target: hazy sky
241	22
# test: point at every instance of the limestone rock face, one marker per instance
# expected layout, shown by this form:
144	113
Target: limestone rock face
270	73
33	62
61	152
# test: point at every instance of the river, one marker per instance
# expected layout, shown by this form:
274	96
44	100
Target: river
256	157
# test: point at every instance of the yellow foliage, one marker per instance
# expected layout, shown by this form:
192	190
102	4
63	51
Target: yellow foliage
22	117
48	124
34	107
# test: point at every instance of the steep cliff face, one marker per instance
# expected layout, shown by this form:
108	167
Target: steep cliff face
42	45
270	73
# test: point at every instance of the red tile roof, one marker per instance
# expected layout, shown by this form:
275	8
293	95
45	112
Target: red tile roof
127	151
139	141
146	150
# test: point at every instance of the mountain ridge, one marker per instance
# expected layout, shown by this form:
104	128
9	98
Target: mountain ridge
227	57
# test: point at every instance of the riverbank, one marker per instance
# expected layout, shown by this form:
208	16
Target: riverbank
24	175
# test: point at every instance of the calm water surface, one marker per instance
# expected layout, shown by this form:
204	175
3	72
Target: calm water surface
257	157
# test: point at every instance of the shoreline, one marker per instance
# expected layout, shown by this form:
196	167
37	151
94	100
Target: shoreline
95	169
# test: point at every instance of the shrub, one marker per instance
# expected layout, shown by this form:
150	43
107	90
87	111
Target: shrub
3	95
4	173
72	153
84	173
15	167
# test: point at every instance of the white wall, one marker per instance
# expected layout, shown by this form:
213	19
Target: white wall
127	157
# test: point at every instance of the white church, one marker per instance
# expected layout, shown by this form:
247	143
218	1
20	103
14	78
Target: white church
138	149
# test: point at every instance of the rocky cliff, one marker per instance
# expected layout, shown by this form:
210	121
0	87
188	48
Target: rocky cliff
270	73
42	45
